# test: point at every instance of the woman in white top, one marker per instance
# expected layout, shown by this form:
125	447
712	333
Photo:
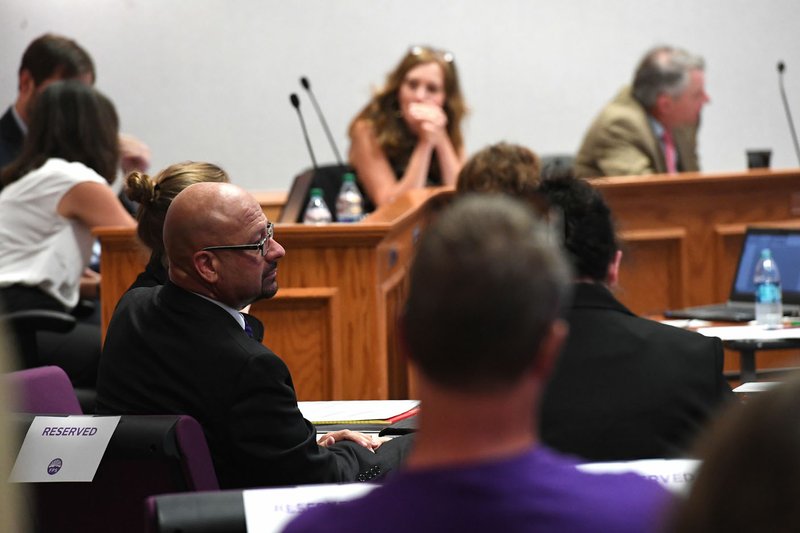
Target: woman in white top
53	195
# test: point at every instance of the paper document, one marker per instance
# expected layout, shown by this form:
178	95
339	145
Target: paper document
355	410
676	475
754	333
269	510
756	386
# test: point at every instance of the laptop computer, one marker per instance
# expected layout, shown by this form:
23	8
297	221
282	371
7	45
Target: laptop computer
740	307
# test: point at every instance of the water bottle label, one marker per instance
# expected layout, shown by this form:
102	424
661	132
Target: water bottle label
768	293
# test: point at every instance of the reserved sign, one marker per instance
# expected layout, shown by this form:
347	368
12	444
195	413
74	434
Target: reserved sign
63	448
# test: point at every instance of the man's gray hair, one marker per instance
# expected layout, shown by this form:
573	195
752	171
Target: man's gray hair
663	69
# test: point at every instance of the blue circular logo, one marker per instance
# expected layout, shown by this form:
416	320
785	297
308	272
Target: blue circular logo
54	466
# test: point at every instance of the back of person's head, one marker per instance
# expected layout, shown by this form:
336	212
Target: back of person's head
506	168
663	69
155	195
589	235
384	108
54	56
749	479
71	121
487	283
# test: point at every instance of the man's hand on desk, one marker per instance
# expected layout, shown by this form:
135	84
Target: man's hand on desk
370	442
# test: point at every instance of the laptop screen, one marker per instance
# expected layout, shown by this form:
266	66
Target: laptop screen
785	247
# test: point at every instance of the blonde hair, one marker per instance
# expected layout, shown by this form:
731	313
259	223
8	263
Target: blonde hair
155	195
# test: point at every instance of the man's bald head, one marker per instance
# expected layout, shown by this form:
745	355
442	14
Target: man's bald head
207	214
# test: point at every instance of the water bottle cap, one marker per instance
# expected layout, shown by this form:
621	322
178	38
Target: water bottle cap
349	176
766	253
316	191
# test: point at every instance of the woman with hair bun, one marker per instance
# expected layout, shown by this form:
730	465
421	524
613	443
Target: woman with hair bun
154	196
409	135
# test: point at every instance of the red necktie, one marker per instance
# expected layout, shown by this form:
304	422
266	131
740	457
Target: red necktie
669	153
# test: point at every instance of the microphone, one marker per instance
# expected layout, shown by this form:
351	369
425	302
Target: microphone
296	103
781	68
307	86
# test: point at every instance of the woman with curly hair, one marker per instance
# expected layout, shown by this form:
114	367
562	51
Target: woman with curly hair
409	135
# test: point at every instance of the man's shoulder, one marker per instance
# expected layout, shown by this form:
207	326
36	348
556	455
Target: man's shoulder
543	490
667	333
9	129
595	310
622	111
10	138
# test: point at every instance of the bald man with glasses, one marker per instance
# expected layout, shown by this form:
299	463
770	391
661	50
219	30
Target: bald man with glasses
185	348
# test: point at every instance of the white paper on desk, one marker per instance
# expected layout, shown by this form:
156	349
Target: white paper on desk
335	411
269	510
675	475
747	333
756	386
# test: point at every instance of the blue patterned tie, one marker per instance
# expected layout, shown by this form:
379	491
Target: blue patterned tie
248	329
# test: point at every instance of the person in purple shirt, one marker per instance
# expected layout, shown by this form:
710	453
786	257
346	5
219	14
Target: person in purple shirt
482	328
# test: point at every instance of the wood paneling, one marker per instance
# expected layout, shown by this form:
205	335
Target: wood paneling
302	326
711	209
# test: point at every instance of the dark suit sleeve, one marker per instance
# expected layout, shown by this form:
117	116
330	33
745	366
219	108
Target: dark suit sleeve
273	444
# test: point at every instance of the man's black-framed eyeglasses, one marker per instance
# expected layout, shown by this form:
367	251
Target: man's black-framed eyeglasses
262	245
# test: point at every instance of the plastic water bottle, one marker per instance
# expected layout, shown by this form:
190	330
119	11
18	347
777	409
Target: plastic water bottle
317	212
349	203
767	281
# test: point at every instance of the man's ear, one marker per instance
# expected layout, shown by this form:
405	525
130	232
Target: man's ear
662	109
206	265
550	348
612	278
25	84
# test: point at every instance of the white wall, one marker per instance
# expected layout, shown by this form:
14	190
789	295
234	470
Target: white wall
210	79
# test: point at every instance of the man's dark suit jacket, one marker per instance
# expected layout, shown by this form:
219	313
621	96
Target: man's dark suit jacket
170	351
11	138
626	387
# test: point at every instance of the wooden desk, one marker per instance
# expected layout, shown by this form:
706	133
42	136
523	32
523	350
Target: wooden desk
341	289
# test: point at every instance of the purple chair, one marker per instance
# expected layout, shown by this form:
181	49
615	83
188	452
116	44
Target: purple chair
43	390
147	455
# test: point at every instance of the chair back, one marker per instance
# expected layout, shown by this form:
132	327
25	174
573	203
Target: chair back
557	165
328	178
147	455
25	324
43	390
205	512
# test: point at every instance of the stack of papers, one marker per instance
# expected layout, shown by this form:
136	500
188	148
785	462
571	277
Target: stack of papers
358	411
